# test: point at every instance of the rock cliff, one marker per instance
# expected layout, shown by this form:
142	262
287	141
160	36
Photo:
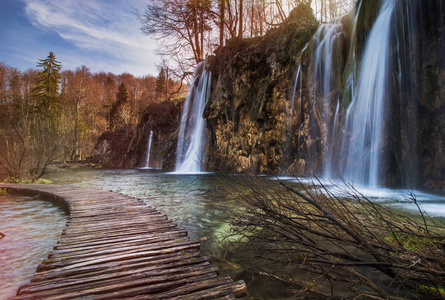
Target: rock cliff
247	112
128	148
260	120
256	128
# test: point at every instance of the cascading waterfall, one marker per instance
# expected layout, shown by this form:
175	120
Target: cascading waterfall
357	117
190	150
325	43
366	121
150	140
297	82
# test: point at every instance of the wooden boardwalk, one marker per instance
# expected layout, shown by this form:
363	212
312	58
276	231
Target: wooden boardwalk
116	247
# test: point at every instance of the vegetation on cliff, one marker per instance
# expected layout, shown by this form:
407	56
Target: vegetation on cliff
252	84
127	147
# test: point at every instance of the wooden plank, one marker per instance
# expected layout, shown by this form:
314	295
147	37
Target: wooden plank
128	286
160	261
104	280
115	247
88	255
91	243
100	243
45	265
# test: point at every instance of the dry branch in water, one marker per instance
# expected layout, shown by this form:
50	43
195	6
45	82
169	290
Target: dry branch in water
335	244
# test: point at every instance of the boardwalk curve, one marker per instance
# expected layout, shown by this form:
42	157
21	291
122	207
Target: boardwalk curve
116	247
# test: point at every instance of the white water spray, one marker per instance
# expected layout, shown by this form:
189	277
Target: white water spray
325	41
366	115
150	140
190	150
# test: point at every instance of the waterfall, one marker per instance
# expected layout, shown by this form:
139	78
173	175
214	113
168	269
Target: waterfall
190	149
366	124
328	170
298	81
367	107
325	42
150	140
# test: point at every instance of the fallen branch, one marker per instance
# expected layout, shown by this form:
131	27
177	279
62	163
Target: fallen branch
341	240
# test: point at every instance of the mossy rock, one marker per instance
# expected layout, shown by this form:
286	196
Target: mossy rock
367	15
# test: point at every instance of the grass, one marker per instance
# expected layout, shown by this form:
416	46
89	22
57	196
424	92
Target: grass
21	180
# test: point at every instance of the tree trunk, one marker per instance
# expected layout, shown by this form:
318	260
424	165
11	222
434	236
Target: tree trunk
201	30
196	33
222	9
240	28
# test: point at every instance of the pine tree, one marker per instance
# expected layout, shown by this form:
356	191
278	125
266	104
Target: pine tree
46	87
45	132
122	94
116	109
161	84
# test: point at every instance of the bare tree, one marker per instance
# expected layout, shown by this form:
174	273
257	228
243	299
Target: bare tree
180	24
338	238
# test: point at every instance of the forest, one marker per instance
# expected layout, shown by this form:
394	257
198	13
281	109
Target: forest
49	115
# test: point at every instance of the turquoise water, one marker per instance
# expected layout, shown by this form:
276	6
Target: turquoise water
31	227
186	200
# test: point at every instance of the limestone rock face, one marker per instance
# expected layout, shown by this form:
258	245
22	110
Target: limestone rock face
111	148
161	118
252	84
432	96
128	148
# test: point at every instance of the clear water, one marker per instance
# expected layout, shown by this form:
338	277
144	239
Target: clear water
183	199
31	227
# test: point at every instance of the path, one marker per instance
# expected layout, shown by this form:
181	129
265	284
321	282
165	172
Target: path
116	247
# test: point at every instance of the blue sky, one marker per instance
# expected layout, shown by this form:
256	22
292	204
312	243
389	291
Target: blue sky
102	35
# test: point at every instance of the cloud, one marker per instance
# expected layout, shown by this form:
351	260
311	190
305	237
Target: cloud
103	33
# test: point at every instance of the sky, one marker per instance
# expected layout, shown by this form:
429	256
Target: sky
103	35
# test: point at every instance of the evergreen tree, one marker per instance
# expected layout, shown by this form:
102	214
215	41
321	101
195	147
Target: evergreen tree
46	87
161	84
122	94
116	109
45	132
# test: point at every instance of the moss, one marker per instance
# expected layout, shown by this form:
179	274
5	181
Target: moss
303	36
368	13
432	86
430	291
412	242
302	15
20	180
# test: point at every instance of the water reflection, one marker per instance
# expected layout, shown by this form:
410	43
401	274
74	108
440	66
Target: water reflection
182	199
185	199
31	227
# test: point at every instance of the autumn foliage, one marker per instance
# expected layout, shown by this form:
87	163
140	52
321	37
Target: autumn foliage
52	115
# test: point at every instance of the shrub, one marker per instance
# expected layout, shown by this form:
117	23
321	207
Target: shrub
339	241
